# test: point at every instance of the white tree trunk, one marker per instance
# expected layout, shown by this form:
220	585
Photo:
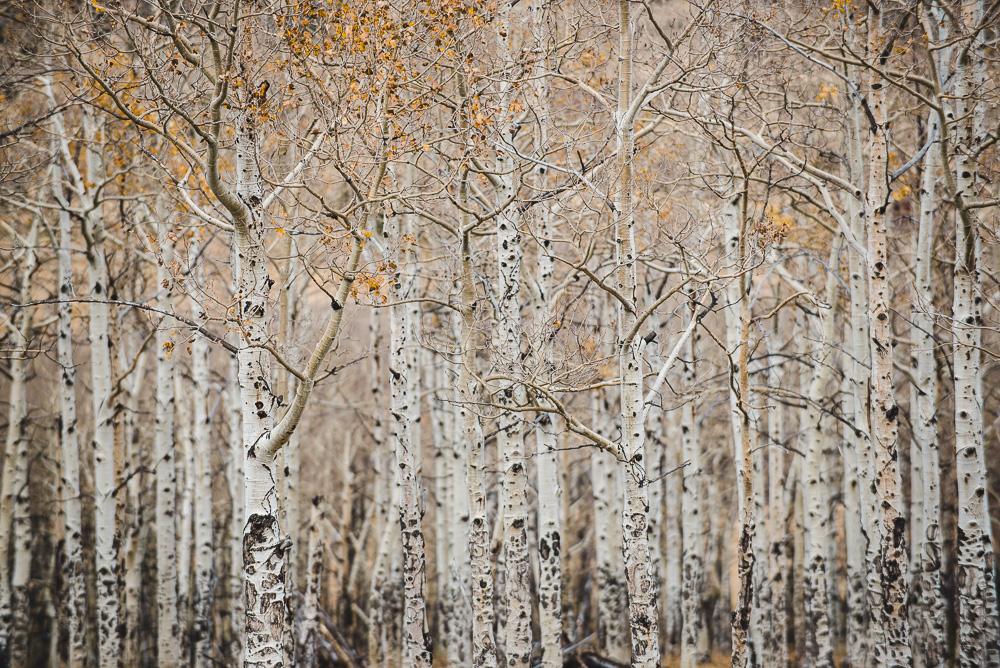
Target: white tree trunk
460	627
929	612
484	650
309	628
15	519
385	593
643	617
76	604
106	549
884	413
510	436
857	600
204	576
184	402
742	419
775	642
815	488
234	475
693	523
546	434
168	630
416	640
978	616
443	519
866	523
612	592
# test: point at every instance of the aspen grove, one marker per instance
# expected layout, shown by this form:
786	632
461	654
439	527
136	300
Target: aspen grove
480	333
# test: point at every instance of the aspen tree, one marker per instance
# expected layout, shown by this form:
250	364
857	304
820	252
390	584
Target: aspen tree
884	413
693	632
204	572
460	627
776	643
643	617
815	490
484	650
978	641
309	629
76	603
15	520
184	525
416	641
929	612
510	436
108	574
383	626
742	418
857	604
166	480
550	544
234	476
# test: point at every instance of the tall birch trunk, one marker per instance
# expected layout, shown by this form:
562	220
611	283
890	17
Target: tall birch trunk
643	617
929	613
416	640
106	549
815	490
15	519
441	432
546	434
978	641
76	603
484	650
884	413
184	527
860	375
385	593
234	475
776	642
693	523
460	628
857	601
738	346
204	576
612	593
309	630
166	474
510	436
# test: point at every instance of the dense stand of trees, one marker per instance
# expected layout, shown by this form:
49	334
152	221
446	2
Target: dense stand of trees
544	332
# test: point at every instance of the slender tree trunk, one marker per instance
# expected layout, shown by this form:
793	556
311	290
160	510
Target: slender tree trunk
693	522
460	628
184	402
776	643
235	477
546	434
204	576
643	617
857	605
75	604
737	343
108	575
929	613
484	650
15	520
416	640
385	595
510	436
612	592
442	432
309	629
884	413
978	615
867	524
816	492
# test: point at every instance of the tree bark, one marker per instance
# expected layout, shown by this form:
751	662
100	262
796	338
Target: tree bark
884	413
643	617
